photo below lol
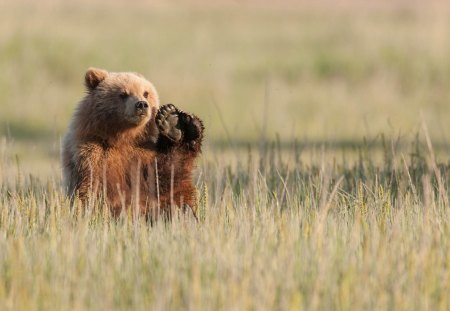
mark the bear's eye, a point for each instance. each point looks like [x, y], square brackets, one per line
[123, 95]
[145, 94]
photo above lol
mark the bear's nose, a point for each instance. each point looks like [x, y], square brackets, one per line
[141, 105]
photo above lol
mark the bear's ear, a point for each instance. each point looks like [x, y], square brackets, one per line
[93, 77]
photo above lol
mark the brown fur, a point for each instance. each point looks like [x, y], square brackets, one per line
[111, 152]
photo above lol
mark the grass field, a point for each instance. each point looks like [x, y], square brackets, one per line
[324, 181]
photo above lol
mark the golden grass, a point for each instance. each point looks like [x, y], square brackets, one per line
[274, 233]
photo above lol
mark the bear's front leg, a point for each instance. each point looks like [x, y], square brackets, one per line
[179, 129]
[179, 144]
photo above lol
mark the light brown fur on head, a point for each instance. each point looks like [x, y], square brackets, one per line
[108, 110]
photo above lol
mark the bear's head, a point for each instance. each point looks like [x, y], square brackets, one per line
[117, 104]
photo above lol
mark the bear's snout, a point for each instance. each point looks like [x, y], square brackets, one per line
[141, 106]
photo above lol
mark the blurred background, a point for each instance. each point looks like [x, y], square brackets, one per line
[330, 73]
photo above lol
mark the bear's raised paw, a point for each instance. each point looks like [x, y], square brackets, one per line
[178, 126]
[167, 120]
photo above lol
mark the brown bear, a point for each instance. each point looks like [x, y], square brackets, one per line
[125, 149]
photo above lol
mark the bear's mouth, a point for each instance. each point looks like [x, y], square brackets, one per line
[138, 118]
[141, 115]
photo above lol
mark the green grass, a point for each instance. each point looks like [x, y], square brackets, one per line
[385, 67]
[315, 192]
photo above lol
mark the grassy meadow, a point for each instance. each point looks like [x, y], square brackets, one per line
[324, 180]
